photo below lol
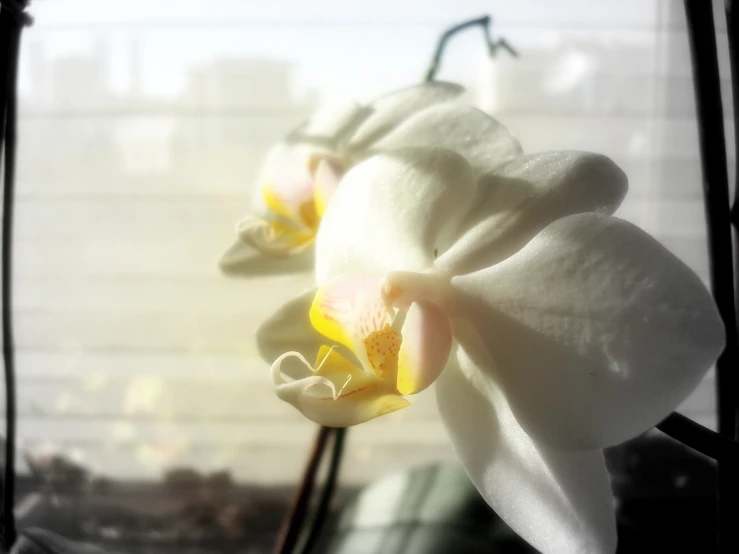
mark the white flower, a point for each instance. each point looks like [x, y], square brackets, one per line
[550, 328]
[301, 174]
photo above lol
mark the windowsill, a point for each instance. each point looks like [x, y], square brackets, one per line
[154, 517]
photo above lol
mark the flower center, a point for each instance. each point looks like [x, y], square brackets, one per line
[382, 347]
[405, 347]
[309, 214]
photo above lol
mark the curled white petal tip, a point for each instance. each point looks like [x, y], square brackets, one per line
[335, 393]
[272, 238]
[250, 226]
[290, 390]
[276, 368]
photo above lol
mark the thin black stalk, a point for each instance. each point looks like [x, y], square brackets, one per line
[699, 438]
[324, 504]
[732, 25]
[483, 22]
[707, 83]
[293, 522]
[12, 19]
[716, 197]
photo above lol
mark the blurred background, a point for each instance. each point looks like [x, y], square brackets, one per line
[141, 128]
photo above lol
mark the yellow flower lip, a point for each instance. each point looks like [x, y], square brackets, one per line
[299, 211]
[382, 348]
[357, 312]
[397, 352]
[336, 393]
[353, 315]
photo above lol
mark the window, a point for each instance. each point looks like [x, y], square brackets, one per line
[142, 126]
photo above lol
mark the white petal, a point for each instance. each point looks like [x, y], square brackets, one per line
[391, 109]
[290, 329]
[559, 501]
[519, 199]
[326, 180]
[236, 255]
[275, 237]
[483, 142]
[394, 211]
[327, 127]
[597, 331]
[427, 341]
[241, 259]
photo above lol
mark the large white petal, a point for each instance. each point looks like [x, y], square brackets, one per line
[484, 143]
[519, 199]
[598, 332]
[390, 110]
[394, 211]
[559, 501]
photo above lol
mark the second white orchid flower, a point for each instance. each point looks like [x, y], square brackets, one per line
[550, 328]
[301, 174]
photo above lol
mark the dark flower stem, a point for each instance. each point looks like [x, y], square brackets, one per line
[733, 35]
[483, 22]
[12, 19]
[293, 522]
[699, 438]
[324, 504]
[707, 83]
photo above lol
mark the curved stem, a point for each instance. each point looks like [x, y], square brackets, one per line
[483, 22]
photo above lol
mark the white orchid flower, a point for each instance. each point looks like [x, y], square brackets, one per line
[301, 174]
[550, 328]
